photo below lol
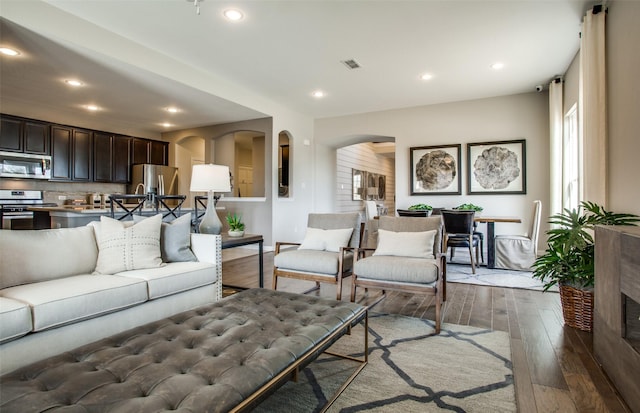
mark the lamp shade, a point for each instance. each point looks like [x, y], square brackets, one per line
[210, 177]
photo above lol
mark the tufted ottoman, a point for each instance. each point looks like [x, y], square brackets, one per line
[226, 356]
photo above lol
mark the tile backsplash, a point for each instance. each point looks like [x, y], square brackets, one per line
[58, 192]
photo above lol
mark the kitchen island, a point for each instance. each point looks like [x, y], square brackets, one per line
[69, 216]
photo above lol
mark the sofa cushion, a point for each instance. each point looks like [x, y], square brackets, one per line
[122, 248]
[71, 299]
[31, 256]
[175, 239]
[15, 319]
[174, 277]
[398, 269]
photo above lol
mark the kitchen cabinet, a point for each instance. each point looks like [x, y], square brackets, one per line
[111, 155]
[121, 159]
[24, 135]
[150, 151]
[72, 158]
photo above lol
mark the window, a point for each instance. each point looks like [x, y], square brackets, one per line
[571, 182]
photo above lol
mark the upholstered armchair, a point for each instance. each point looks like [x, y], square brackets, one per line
[518, 252]
[407, 257]
[326, 253]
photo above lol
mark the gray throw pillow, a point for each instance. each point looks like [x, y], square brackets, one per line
[175, 239]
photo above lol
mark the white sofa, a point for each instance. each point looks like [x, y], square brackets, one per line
[51, 300]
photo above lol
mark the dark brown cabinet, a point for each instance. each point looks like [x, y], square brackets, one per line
[79, 154]
[121, 159]
[111, 157]
[150, 151]
[24, 135]
[72, 154]
[102, 157]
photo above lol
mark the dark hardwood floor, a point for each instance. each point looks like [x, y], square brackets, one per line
[554, 366]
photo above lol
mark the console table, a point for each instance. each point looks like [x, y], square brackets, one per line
[246, 239]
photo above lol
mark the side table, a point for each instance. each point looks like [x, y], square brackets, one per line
[246, 239]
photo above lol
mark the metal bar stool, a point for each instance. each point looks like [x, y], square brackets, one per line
[124, 202]
[160, 202]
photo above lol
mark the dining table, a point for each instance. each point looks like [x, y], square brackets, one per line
[491, 221]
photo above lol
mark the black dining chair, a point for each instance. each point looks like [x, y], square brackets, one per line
[458, 233]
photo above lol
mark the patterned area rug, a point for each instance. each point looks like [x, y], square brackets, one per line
[459, 271]
[464, 369]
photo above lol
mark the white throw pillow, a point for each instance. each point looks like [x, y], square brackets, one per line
[124, 248]
[326, 239]
[405, 244]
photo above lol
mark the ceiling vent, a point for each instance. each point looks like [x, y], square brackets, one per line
[351, 64]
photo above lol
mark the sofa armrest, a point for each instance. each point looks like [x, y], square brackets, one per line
[207, 247]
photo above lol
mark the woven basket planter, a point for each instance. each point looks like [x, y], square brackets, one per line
[577, 307]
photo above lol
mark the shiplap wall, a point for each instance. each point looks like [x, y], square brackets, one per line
[363, 157]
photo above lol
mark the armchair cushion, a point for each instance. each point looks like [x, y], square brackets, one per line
[312, 261]
[398, 269]
[326, 239]
[406, 244]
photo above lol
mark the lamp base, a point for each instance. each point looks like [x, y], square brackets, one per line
[210, 223]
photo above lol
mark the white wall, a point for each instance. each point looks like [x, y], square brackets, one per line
[500, 118]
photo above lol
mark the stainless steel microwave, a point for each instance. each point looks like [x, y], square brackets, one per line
[24, 165]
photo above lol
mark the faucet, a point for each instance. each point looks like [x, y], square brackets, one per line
[138, 187]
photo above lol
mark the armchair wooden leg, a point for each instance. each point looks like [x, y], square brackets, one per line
[353, 288]
[438, 310]
[275, 281]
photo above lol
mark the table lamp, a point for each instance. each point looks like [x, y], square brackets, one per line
[210, 178]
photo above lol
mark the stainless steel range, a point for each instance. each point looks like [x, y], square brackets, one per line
[13, 208]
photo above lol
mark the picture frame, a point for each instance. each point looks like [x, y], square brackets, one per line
[435, 170]
[498, 167]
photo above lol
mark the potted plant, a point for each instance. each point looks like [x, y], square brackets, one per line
[469, 207]
[569, 260]
[416, 210]
[236, 226]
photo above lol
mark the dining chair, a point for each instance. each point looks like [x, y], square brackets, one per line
[518, 252]
[325, 255]
[404, 254]
[371, 210]
[458, 233]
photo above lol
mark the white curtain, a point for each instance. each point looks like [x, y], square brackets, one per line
[555, 134]
[593, 114]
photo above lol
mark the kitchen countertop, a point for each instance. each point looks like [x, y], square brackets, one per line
[67, 210]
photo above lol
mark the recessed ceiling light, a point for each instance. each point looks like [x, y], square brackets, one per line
[497, 66]
[317, 94]
[9, 52]
[171, 109]
[92, 108]
[426, 76]
[73, 82]
[167, 125]
[233, 14]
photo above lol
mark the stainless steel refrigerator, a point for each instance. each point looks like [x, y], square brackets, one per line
[156, 179]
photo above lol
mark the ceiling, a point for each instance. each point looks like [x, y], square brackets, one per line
[278, 54]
